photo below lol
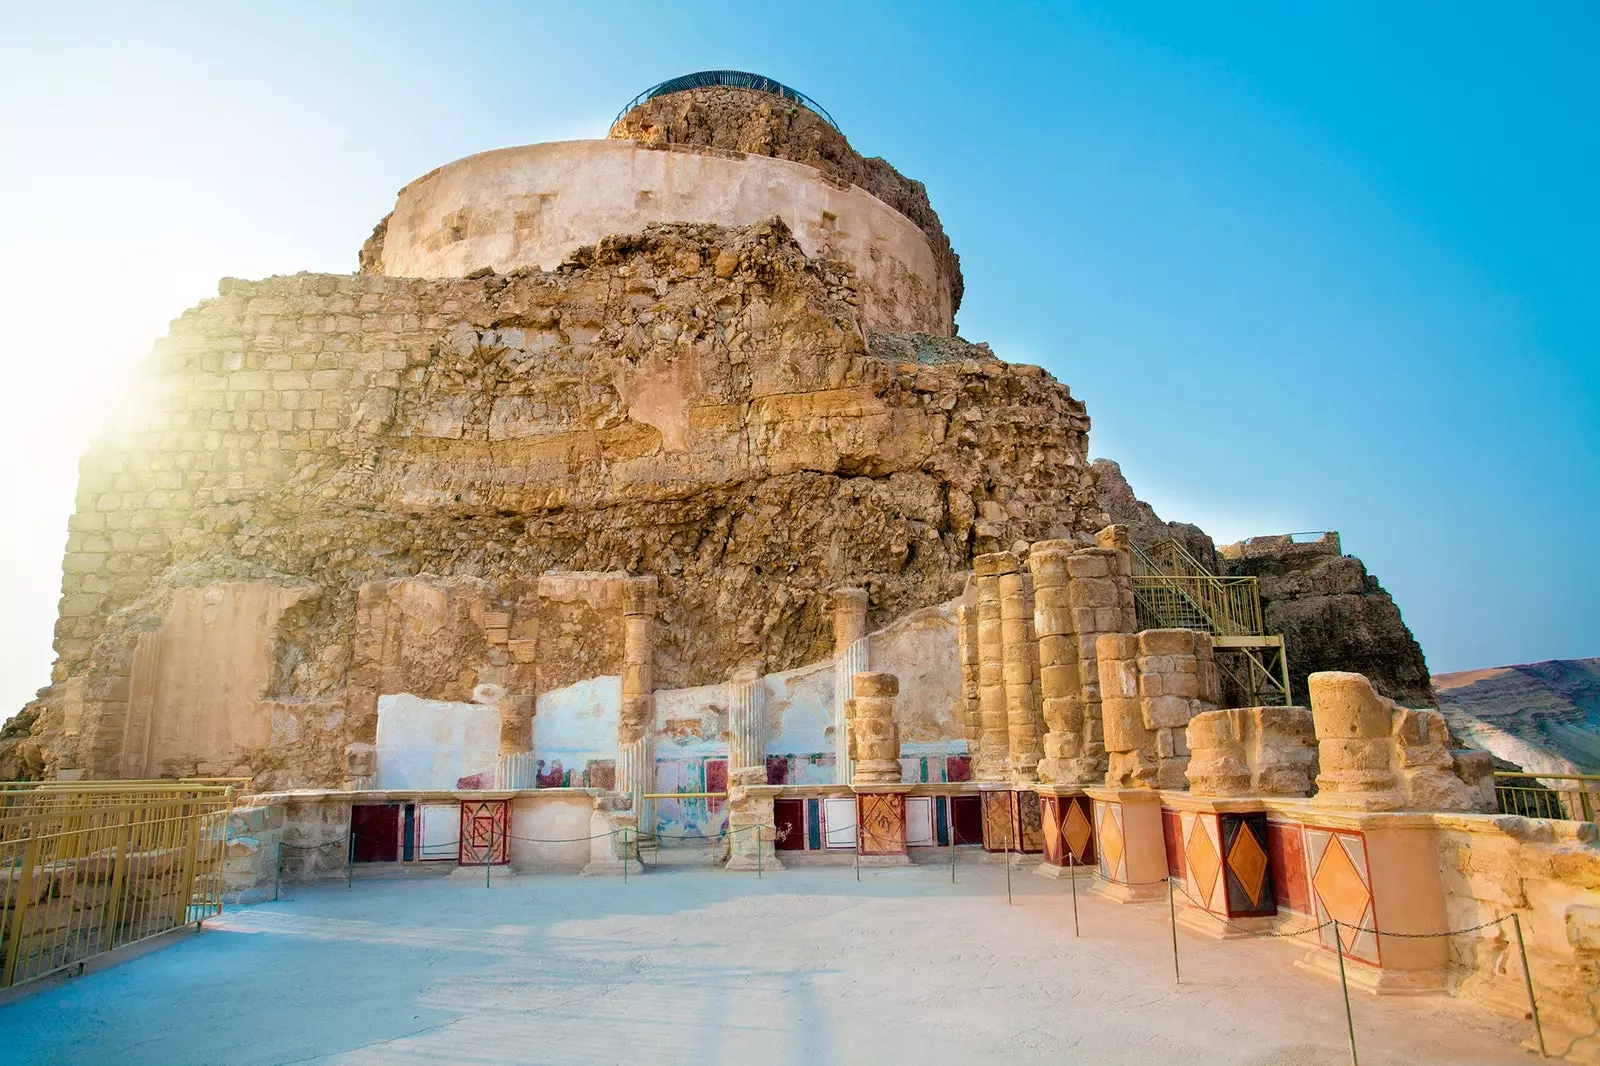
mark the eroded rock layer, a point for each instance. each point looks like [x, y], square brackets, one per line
[407, 461]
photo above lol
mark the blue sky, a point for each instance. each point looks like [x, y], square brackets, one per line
[1310, 266]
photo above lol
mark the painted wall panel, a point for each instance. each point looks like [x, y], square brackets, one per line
[439, 828]
[839, 821]
[919, 821]
[433, 744]
[573, 727]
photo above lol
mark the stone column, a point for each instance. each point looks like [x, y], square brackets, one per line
[1175, 672]
[880, 795]
[635, 764]
[1021, 656]
[994, 740]
[1094, 592]
[1059, 684]
[850, 659]
[515, 768]
[751, 824]
[1130, 746]
[747, 710]
[967, 646]
[877, 737]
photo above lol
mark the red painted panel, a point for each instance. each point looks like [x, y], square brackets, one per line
[958, 768]
[716, 781]
[375, 828]
[790, 818]
[1286, 860]
[966, 817]
[1172, 836]
[777, 770]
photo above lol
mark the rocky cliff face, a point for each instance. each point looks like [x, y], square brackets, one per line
[742, 120]
[689, 402]
[1332, 613]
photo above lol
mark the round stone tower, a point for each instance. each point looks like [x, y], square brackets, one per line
[722, 147]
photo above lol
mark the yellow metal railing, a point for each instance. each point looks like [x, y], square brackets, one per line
[1568, 797]
[1173, 590]
[87, 869]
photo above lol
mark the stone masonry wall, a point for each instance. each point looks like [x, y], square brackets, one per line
[693, 403]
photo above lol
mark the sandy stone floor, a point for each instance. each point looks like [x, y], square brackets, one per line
[691, 965]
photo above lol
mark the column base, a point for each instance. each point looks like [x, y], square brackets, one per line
[885, 860]
[1117, 892]
[746, 864]
[1371, 979]
[1059, 873]
[1203, 923]
[475, 873]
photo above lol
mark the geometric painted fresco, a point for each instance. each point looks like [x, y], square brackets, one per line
[1247, 873]
[998, 821]
[881, 823]
[1077, 828]
[1050, 822]
[1203, 857]
[1172, 837]
[1286, 865]
[1113, 851]
[485, 828]
[1029, 822]
[1341, 889]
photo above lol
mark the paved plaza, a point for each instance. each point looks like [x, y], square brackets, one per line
[693, 965]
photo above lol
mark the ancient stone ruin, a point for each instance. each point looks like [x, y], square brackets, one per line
[639, 489]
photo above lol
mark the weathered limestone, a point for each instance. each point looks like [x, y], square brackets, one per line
[634, 760]
[850, 659]
[1020, 656]
[967, 649]
[1151, 684]
[994, 741]
[1375, 755]
[877, 736]
[750, 820]
[613, 838]
[1061, 689]
[1251, 751]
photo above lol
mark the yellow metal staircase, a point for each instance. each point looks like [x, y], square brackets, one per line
[1174, 590]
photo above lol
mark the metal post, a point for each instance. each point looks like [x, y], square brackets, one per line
[1172, 914]
[624, 854]
[952, 850]
[858, 852]
[350, 856]
[1008, 870]
[25, 890]
[1072, 874]
[1349, 1019]
[1527, 977]
[488, 856]
[108, 936]
[277, 873]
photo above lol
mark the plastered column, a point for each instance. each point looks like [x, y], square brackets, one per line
[1021, 657]
[635, 763]
[747, 710]
[994, 740]
[1059, 684]
[850, 659]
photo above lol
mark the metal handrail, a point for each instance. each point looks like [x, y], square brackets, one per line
[1535, 799]
[735, 79]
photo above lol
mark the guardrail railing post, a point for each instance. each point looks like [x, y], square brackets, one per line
[1527, 977]
[19, 909]
[1172, 915]
[1072, 875]
[1344, 985]
[119, 873]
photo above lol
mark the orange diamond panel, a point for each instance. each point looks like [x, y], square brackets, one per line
[1248, 863]
[1204, 862]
